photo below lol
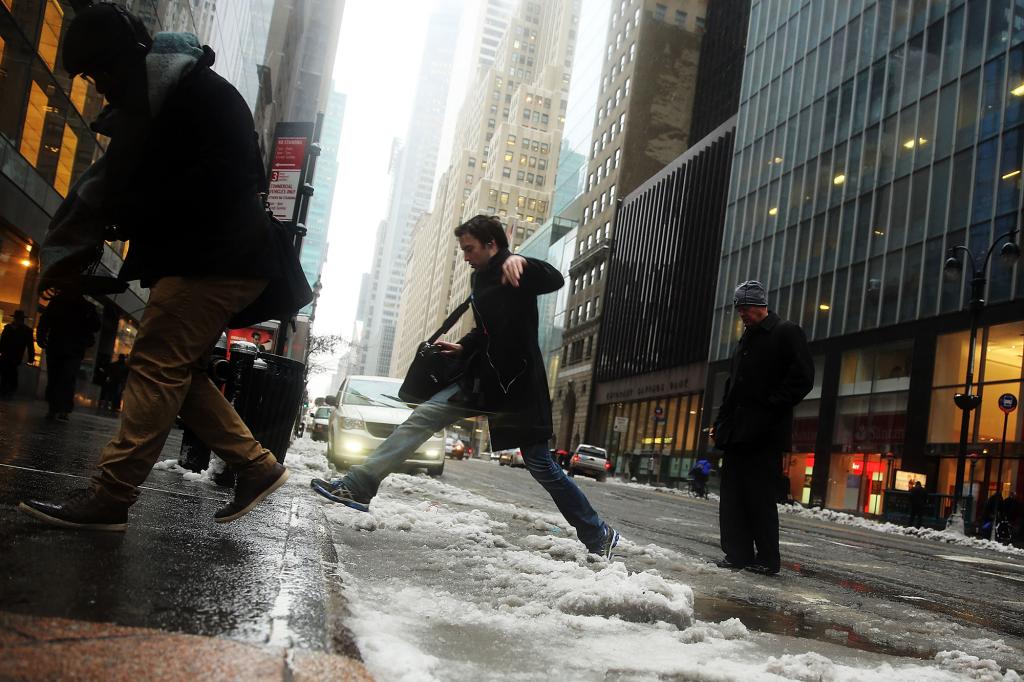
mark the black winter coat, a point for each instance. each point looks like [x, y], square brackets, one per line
[186, 198]
[505, 375]
[16, 343]
[770, 372]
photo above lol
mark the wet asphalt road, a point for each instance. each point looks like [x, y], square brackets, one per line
[860, 588]
[260, 579]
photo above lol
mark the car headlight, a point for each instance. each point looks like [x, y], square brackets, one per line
[352, 445]
[354, 424]
[433, 453]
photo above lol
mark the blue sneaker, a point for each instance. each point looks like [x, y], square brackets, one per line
[611, 540]
[335, 491]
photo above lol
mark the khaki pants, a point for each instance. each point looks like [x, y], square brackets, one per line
[180, 326]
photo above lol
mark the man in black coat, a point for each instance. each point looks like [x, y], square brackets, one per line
[15, 346]
[770, 372]
[503, 377]
[180, 181]
[918, 502]
[67, 328]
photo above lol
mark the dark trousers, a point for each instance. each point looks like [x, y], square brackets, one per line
[8, 376]
[916, 516]
[748, 519]
[61, 377]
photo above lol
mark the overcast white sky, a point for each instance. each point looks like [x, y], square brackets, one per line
[378, 59]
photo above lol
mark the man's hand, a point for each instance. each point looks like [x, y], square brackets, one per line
[451, 349]
[512, 270]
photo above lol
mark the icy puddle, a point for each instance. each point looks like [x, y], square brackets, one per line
[446, 584]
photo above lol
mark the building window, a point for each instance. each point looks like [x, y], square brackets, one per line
[700, 23]
[680, 18]
[659, 12]
[471, 162]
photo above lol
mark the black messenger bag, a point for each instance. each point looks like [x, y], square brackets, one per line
[430, 371]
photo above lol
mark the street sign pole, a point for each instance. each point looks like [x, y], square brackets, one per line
[1007, 403]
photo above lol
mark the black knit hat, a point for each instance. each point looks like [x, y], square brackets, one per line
[101, 34]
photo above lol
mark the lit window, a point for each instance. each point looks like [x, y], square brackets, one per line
[49, 35]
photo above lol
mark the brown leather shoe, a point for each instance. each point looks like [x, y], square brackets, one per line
[83, 510]
[249, 491]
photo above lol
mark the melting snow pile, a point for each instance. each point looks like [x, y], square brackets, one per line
[446, 584]
[893, 529]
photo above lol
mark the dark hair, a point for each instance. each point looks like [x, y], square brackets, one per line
[485, 229]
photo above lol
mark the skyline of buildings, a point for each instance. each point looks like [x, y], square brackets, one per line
[413, 170]
[642, 122]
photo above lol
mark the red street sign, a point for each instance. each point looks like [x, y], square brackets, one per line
[1007, 403]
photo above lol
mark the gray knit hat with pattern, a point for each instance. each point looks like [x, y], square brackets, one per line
[750, 292]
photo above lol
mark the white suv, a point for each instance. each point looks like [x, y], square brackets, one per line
[368, 411]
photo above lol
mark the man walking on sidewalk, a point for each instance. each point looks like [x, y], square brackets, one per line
[770, 372]
[15, 346]
[180, 181]
[67, 329]
[503, 377]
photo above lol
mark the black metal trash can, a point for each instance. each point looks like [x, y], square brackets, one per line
[266, 391]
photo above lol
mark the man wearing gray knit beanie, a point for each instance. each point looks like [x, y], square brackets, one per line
[770, 372]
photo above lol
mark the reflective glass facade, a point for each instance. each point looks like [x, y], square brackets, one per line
[872, 136]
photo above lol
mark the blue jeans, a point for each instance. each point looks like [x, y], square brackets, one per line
[362, 480]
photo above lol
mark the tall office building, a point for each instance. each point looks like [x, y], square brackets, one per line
[413, 170]
[314, 245]
[493, 22]
[295, 75]
[644, 107]
[872, 138]
[510, 128]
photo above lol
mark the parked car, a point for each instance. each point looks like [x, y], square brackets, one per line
[456, 449]
[590, 460]
[494, 456]
[561, 457]
[368, 411]
[318, 429]
[512, 458]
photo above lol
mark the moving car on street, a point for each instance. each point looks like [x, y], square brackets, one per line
[320, 417]
[368, 411]
[454, 448]
[590, 460]
[512, 458]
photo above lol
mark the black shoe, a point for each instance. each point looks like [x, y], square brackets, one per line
[335, 491]
[729, 564]
[611, 540]
[761, 569]
[250, 490]
[83, 510]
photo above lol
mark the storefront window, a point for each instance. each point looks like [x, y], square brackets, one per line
[17, 265]
[877, 369]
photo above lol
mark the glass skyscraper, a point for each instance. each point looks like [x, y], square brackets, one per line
[872, 137]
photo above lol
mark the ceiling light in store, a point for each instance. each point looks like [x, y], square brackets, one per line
[1018, 91]
[774, 210]
[778, 160]
[879, 233]
[839, 179]
[27, 263]
[28, 247]
[1011, 174]
[824, 306]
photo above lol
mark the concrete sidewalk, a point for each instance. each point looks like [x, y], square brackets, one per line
[177, 596]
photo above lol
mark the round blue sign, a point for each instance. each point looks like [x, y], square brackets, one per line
[1007, 402]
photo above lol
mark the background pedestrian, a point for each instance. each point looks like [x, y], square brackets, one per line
[918, 502]
[16, 345]
[770, 372]
[67, 328]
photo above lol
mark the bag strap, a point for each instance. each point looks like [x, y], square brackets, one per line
[450, 321]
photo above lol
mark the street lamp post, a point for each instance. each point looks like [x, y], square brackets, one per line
[966, 401]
